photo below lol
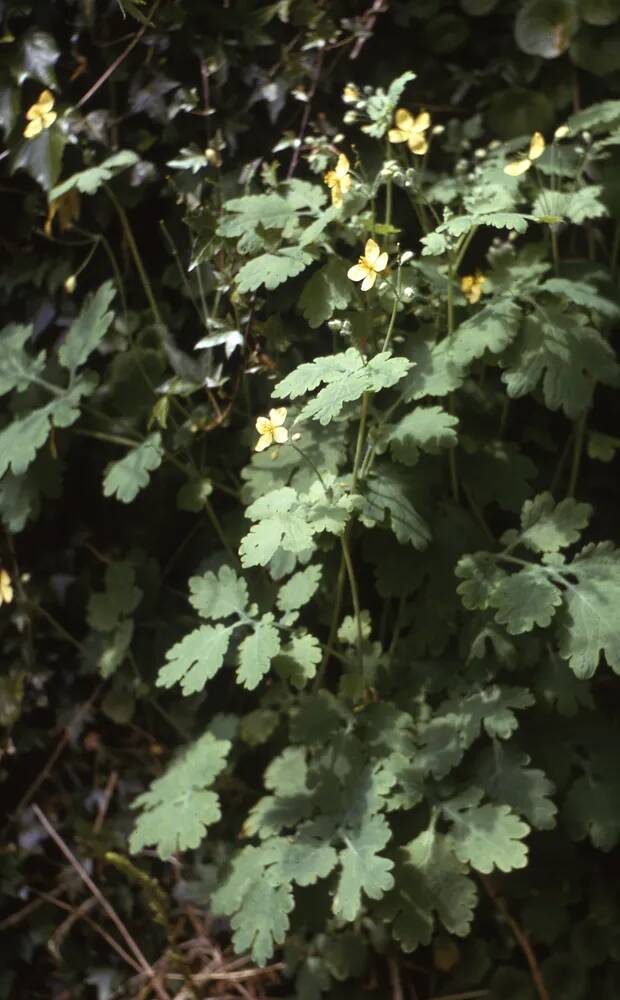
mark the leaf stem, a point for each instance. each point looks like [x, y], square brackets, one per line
[346, 552]
[580, 429]
[334, 624]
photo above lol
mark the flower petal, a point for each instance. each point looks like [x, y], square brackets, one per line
[537, 146]
[517, 168]
[337, 195]
[345, 184]
[381, 262]
[33, 128]
[422, 122]
[397, 135]
[263, 425]
[277, 416]
[263, 442]
[404, 120]
[371, 251]
[330, 178]
[280, 435]
[342, 167]
[369, 281]
[46, 101]
[358, 272]
[49, 118]
[417, 143]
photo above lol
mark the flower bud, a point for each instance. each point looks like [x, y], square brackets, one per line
[70, 284]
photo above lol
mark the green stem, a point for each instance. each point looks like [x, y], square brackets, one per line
[462, 248]
[135, 253]
[346, 552]
[111, 438]
[615, 252]
[454, 480]
[333, 629]
[311, 464]
[219, 530]
[580, 429]
[555, 252]
[361, 433]
[390, 328]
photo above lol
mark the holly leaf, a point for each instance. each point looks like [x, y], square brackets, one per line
[125, 478]
[195, 659]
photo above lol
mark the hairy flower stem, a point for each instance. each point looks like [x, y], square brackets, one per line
[346, 552]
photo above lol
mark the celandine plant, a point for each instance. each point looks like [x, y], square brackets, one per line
[416, 605]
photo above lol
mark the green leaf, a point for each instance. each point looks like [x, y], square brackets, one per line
[506, 778]
[269, 211]
[347, 376]
[592, 809]
[218, 595]
[41, 157]
[387, 492]
[257, 651]
[429, 880]
[582, 294]
[272, 269]
[363, 869]
[436, 373]
[89, 181]
[327, 290]
[429, 428]
[300, 589]
[382, 105]
[491, 329]
[487, 837]
[21, 496]
[592, 605]
[544, 27]
[262, 921]
[119, 599]
[18, 369]
[547, 527]
[280, 525]
[576, 206]
[298, 659]
[88, 330]
[303, 860]
[525, 599]
[178, 808]
[125, 478]
[37, 58]
[195, 659]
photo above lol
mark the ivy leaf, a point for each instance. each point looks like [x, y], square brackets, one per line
[387, 492]
[429, 879]
[491, 329]
[272, 269]
[38, 55]
[195, 659]
[18, 369]
[89, 181]
[430, 428]
[257, 651]
[119, 599]
[347, 376]
[218, 595]
[547, 527]
[592, 607]
[88, 330]
[280, 525]
[178, 808]
[363, 870]
[41, 157]
[327, 290]
[125, 478]
[487, 837]
[504, 774]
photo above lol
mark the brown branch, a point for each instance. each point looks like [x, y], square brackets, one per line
[369, 19]
[103, 902]
[46, 897]
[520, 937]
[105, 802]
[121, 58]
[306, 115]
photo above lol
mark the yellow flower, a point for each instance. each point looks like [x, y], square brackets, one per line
[6, 588]
[411, 130]
[537, 148]
[270, 429]
[351, 94]
[471, 286]
[368, 266]
[40, 116]
[339, 179]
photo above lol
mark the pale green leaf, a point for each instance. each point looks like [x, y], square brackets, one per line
[119, 599]
[487, 837]
[88, 329]
[218, 595]
[364, 871]
[429, 428]
[195, 659]
[547, 527]
[89, 181]
[257, 651]
[18, 369]
[125, 478]
[272, 269]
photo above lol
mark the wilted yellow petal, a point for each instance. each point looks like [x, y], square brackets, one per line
[517, 168]
[537, 146]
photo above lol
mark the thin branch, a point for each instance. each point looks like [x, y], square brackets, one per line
[397, 986]
[121, 58]
[520, 937]
[103, 902]
[306, 115]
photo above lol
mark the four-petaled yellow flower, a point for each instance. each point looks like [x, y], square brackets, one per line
[6, 588]
[339, 179]
[411, 130]
[40, 116]
[368, 266]
[471, 286]
[537, 148]
[271, 429]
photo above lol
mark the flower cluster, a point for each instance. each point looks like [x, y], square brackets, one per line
[471, 286]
